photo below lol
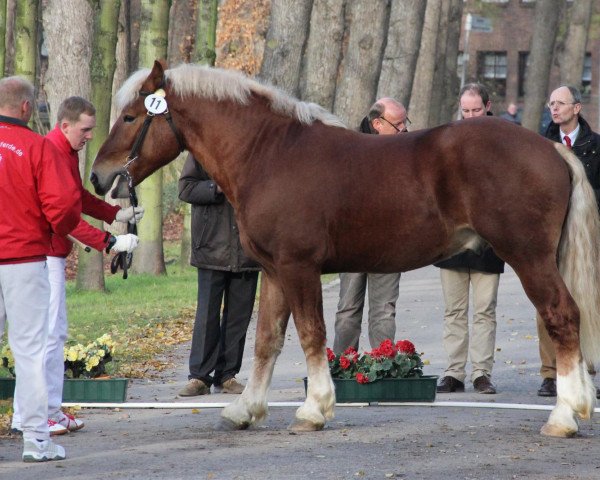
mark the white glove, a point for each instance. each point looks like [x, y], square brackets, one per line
[125, 243]
[128, 214]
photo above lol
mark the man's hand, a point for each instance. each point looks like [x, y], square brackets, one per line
[130, 214]
[124, 243]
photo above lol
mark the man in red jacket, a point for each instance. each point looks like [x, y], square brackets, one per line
[76, 121]
[38, 195]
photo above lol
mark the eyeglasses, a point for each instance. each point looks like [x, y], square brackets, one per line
[407, 123]
[559, 104]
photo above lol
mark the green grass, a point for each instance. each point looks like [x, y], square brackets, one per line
[137, 301]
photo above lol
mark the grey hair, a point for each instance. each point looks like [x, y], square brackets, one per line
[14, 91]
[575, 93]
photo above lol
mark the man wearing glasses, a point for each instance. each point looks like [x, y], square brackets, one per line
[386, 117]
[569, 128]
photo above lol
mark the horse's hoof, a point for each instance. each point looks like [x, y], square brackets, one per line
[227, 425]
[305, 426]
[552, 430]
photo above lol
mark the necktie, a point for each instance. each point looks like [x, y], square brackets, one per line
[568, 141]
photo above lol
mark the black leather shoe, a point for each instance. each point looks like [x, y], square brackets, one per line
[449, 385]
[548, 388]
[484, 385]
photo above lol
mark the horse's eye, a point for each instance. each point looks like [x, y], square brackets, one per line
[128, 118]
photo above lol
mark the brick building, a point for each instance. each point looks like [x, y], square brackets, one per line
[498, 58]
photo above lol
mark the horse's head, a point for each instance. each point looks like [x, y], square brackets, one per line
[144, 137]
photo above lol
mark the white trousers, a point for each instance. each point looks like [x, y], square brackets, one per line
[57, 335]
[24, 300]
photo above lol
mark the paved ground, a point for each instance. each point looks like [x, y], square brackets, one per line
[375, 442]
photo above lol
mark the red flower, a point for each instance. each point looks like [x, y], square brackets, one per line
[344, 362]
[386, 349]
[405, 346]
[360, 378]
[350, 351]
[330, 355]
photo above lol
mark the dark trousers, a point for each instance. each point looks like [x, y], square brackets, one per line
[218, 342]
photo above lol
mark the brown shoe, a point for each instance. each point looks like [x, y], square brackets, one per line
[450, 384]
[484, 385]
[548, 388]
[194, 387]
[230, 386]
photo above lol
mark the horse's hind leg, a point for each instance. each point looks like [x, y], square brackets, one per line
[251, 407]
[576, 392]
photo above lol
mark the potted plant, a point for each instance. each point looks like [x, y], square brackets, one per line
[85, 373]
[392, 372]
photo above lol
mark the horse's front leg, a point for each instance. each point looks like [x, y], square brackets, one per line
[305, 296]
[251, 406]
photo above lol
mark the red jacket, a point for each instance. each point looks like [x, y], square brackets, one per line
[91, 205]
[37, 193]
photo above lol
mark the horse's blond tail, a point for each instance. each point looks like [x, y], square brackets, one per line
[579, 255]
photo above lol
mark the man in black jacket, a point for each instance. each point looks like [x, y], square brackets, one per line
[227, 278]
[569, 128]
[482, 271]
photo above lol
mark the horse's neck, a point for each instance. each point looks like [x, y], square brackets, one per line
[228, 140]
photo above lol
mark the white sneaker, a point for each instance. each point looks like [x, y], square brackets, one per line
[68, 421]
[56, 428]
[42, 451]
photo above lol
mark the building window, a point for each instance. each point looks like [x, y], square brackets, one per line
[586, 78]
[491, 70]
[523, 64]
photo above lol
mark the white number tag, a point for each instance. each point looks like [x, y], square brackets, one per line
[155, 104]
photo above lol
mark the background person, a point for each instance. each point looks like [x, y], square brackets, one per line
[227, 278]
[569, 128]
[38, 194]
[512, 114]
[386, 117]
[481, 271]
[74, 128]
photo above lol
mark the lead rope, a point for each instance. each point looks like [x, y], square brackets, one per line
[123, 260]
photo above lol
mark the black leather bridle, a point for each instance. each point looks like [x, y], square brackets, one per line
[123, 259]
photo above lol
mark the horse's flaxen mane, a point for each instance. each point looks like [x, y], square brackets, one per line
[222, 84]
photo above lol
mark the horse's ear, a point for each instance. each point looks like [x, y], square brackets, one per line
[156, 78]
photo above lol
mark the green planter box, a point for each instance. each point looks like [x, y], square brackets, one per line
[420, 389]
[94, 390]
[7, 388]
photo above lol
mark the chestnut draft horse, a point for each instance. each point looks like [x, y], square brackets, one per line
[312, 196]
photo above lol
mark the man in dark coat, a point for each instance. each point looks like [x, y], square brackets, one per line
[482, 271]
[569, 128]
[227, 281]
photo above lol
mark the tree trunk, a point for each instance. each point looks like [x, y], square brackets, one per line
[361, 63]
[68, 27]
[285, 44]
[206, 26]
[449, 104]
[571, 61]
[420, 98]
[3, 24]
[540, 61]
[26, 51]
[9, 54]
[149, 257]
[90, 271]
[402, 50]
[182, 27]
[439, 74]
[320, 65]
